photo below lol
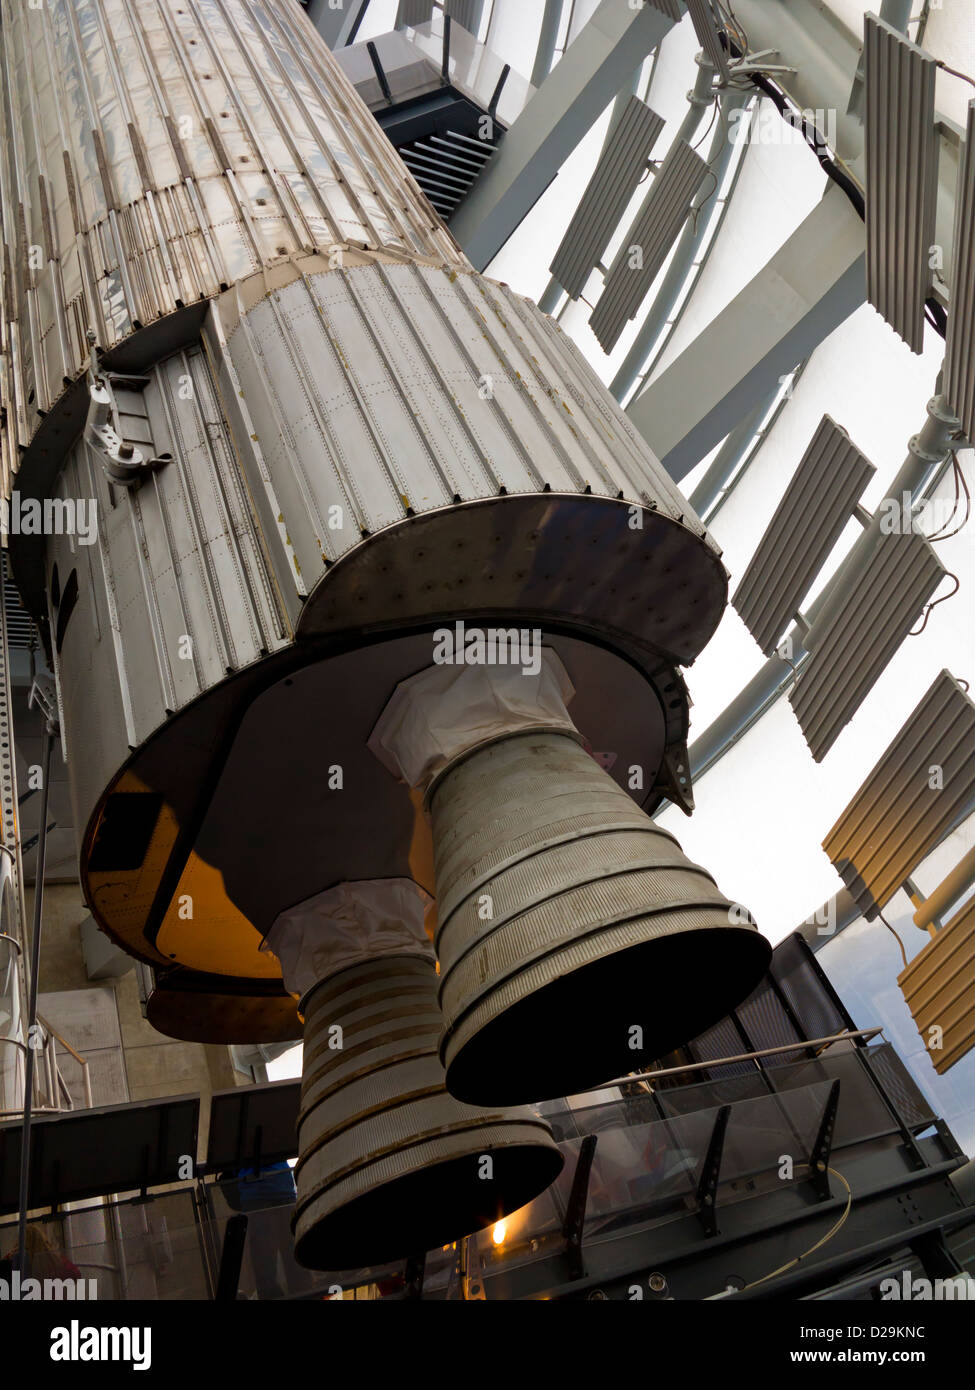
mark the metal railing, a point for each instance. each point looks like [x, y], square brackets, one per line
[802, 1045]
[51, 1093]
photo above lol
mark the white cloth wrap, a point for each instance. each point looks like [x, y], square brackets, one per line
[444, 711]
[347, 925]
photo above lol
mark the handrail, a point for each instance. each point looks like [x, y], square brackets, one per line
[66, 1045]
[82, 1062]
[798, 1046]
[18, 1112]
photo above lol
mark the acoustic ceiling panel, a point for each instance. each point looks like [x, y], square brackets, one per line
[466, 13]
[960, 359]
[648, 242]
[817, 504]
[919, 788]
[853, 639]
[412, 13]
[902, 174]
[620, 168]
[939, 988]
[708, 28]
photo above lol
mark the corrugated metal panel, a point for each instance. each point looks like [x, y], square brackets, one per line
[707, 26]
[413, 12]
[960, 359]
[654, 231]
[179, 561]
[607, 194]
[852, 643]
[897, 816]
[166, 149]
[336, 352]
[902, 173]
[466, 13]
[939, 987]
[807, 524]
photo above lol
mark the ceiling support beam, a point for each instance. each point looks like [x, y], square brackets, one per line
[809, 287]
[586, 78]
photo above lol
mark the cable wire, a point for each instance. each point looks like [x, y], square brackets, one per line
[819, 1244]
[943, 599]
[941, 534]
[714, 113]
[954, 72]
[740, 37]
[895, 936]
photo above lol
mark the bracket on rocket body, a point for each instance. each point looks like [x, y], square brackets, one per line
[124, 463]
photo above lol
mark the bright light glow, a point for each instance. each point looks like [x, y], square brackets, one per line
[499, 1232]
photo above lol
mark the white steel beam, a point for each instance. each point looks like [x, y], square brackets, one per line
[812, 283]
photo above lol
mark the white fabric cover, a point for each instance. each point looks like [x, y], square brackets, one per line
[445, 710]
[346, 925]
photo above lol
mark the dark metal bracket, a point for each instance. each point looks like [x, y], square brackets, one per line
[496, 94]
[231, 1259]
[413, 1276]
[575, 1215]
[445, 58]
[380, 72]
[707, 1186]
[822, 1147]
[936, 1259]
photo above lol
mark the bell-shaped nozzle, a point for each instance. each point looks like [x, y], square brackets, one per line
[390, 1164]
[576, 941]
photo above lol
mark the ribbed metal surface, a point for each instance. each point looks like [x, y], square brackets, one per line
[707, 27]
[939, 987]
[905, 806]
[902, 172]
[389, 1163]
[409, 386]
[557, 938]
[158, 149]
[852, 643]
[466, 13]
[817, 504]
[413, 12]
[619, 170]
[960, 357]
[176, 591]
[654, 231]
[671, 8]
